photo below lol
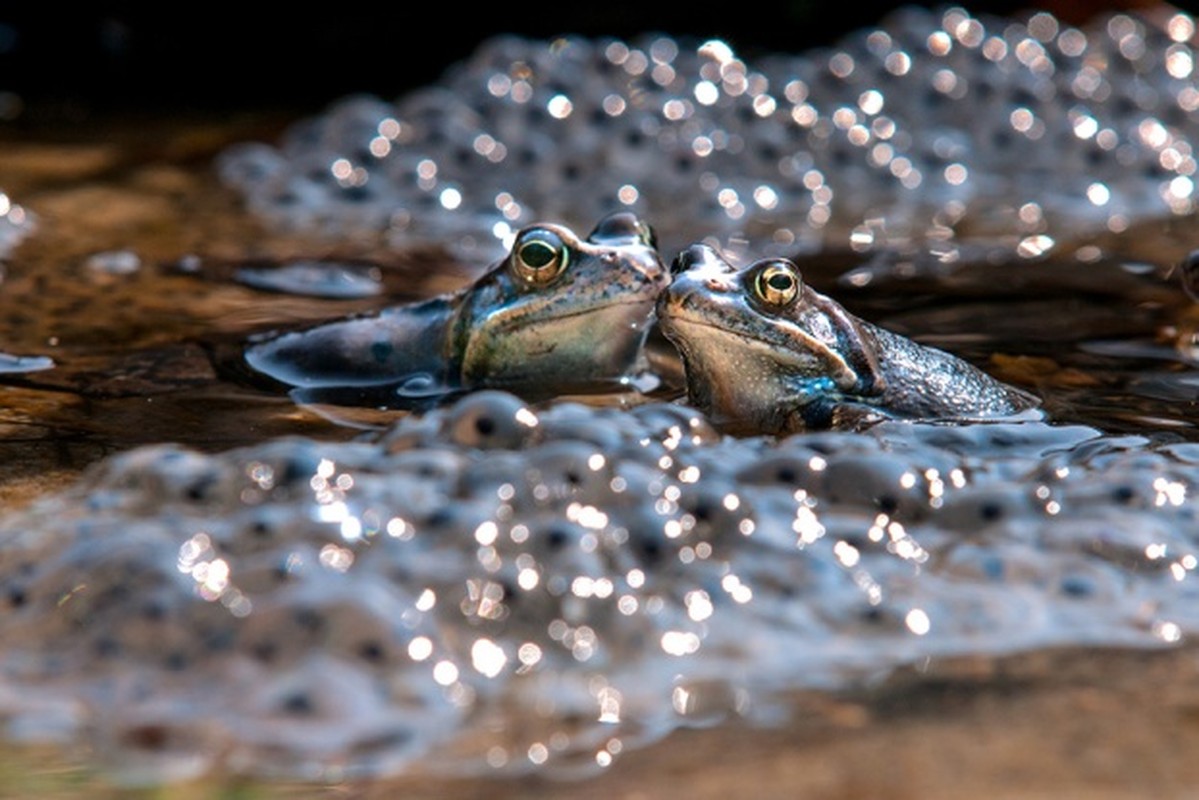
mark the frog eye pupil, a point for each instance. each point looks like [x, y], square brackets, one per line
[538, 254]
[780, 282]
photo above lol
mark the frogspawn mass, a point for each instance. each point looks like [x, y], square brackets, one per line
[955, 131]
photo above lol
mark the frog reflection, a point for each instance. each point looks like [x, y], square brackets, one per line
[558, 315]
[763, 352]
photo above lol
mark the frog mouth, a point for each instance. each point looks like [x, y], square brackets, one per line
[816, 357]
[634, 307]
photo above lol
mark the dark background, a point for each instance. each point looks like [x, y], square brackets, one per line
[69, 62]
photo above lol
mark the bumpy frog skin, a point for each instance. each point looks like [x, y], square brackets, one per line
[558, 315]
[766, 353]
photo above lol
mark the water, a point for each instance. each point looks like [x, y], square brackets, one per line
[494, 589]
[314, 278]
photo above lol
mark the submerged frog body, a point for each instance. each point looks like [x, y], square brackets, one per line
[557, 315]
[764, 352]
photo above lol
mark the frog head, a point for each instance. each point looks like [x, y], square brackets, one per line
[560, 311]
[757, 342]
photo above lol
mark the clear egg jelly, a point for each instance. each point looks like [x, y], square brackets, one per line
[951, 131]
[491, 587]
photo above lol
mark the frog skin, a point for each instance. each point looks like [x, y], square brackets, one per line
[763, 352]
[557, 315]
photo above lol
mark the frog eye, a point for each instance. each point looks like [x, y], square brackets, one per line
[777, 283]
[539, 256]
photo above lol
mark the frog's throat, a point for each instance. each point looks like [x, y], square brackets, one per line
[461, 334]
[502, 320]
[837, 367]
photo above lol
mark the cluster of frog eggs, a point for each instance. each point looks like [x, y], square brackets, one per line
[489, 585]
[937, 126]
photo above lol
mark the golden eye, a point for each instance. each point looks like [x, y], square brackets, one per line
[777, 283]
[539, 256]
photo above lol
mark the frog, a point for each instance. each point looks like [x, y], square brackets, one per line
[558, 314]
[763, 352]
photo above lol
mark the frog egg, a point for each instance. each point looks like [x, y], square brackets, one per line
[1081, 583]
[351, 123]
[603, 197]
[631, 146]
[1131, 489]
[249, 165]
[166, 473]
[1136, 542]
[1017, 568]
[791, 471]
[443, 515]
[497, 477]
[359, 202]
[434, 116]
[712, 511]
[324, 712]
[566, 470]
[850, 613]
[263, 573]
[288, 200]
[302, 137]
[436, 466]
[976, 508]
[151, 742]
[490, 420]
[152, 636]
[529, 600]
[700, 463]
[669, 421]
[563, 189]
[565, 549]
[113, 564]
[1015, 564]
[580, 423]
[425, 558]
[17, 572]
[468, 161]
[585, 101]
[654, 540]
[1000, 440]
[881, 482]
[498, 54]
[144, 622]
[315, 613]
[309, 177]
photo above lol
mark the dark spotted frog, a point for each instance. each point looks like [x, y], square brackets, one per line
[557, 315]
[763, 352]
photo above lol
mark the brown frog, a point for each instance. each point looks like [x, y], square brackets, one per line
[763, 352]
[558, 315]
